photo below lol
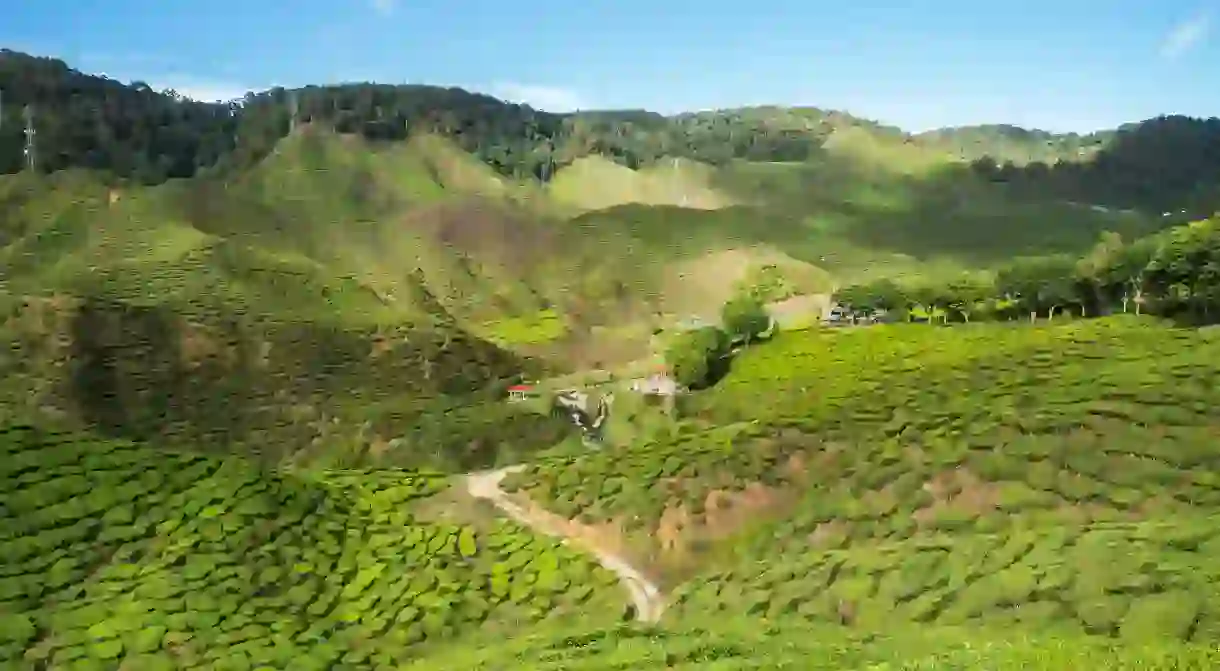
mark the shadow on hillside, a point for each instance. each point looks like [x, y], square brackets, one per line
[142, 373]
[280, 389]
[952, 213]
[943, 213]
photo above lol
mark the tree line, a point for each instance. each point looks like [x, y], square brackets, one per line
[135, 133]
[1174, 273]
[82, 121]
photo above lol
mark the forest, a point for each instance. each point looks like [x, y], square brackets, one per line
[134, 133]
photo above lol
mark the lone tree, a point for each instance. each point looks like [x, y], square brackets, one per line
[1040, 284]
[967, 294]
[697, 358]
[745, 318]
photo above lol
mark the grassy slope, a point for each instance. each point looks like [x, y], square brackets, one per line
[864, 207]
[867, 216]
[280, 389]
[596, 183]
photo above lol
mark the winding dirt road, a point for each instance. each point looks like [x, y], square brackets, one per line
[645, 595]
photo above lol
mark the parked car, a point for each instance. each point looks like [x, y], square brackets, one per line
[837, 315]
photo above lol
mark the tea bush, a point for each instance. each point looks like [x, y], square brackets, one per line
[1142, 582]
[739, 643]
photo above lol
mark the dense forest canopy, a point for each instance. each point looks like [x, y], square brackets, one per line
[1020, 145]
[1166, 163]
[135, 133]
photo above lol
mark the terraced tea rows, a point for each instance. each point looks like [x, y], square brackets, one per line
[1106, 410]
[1144, 582]
[920, 379]
[119, 553]
[740, 643]
[956, 430]
[637, 484]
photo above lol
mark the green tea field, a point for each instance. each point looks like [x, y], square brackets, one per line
[887, 464]
[116, 553]
[729, 643]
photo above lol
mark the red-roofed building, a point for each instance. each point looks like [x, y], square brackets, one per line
[520, 392]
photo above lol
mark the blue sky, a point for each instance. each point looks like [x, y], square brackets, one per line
[1058, 65]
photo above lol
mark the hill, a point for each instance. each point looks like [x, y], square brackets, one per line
[377, 210]
[848, 426]
[880, 201]
[1021, 146]
[245, 314]
[1010, 495]
[254, 359]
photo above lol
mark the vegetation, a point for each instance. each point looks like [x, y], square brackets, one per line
[745, 319]
[309, 392]
[752, 643]
[698, 357]
[136, 133]
[1142, 583]
[1160, 164]
[246, 348]
[889, 433]
[1172, 273]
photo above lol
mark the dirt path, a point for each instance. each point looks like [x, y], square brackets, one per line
[646, 596]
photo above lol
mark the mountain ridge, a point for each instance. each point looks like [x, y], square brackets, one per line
[150, 136]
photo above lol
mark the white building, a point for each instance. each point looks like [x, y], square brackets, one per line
[657, 384]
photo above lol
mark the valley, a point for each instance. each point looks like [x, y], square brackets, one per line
[287, 384]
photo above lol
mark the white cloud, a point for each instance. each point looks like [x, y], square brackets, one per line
[204, 91]
[1186, 35]
[547, 98]
[383, 7]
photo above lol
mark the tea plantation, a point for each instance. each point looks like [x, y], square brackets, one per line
[116, 553]
[1112, 418]
[984, 496]
[1059, 475]
[1142, 582]
[736, 644]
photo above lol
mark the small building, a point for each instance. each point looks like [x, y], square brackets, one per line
[521, 392]
[657, 384]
